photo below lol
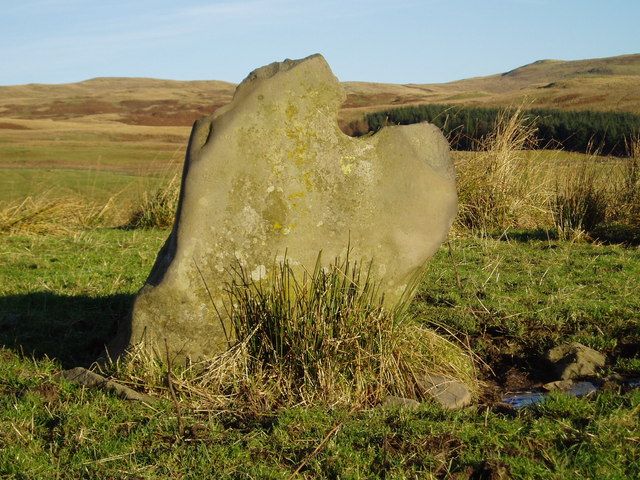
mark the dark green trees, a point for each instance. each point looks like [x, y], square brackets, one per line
[581, 131]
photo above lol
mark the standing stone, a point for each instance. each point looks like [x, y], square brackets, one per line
[271, 173]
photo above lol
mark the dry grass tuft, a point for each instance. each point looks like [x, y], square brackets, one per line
[157, 209]
[42, 215]
[500, 187]
[581, 200]
[628, 191]
[325, 339]
[599, 200]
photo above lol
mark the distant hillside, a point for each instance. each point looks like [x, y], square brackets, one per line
[606, 84]
[139, 125]
[132, 101]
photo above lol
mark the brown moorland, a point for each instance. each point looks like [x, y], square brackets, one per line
[138, 125]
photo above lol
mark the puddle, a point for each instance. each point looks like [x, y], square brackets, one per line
[635, 383]
[519, 400]
[523, 399]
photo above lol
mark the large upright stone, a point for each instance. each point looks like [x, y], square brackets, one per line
[271, 173]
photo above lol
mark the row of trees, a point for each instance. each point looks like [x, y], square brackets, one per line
[465, 127]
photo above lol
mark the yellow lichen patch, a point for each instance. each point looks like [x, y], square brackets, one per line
[291, 111]
[307, 178]
[346, 163]
[296, 195]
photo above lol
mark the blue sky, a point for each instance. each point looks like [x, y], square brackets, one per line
[400, 41]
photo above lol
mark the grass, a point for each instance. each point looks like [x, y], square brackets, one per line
[62, 296]
[580, 201]
[157, 207]
[133, 158]
[61, 431]
[504, 186]
[321, 338]
[96, 186]
[90, 143]
[499, 186]
[506, 296]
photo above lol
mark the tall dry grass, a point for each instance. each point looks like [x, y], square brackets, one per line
[157, 208]
[51, 216]
[51, 213]
[628, 190]
[601, 200]
[581, 199]
[500, 187]
[322, 338]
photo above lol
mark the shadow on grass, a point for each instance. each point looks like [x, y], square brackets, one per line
[528, 235]
[618, 233]
[70, 329]
[609, 234]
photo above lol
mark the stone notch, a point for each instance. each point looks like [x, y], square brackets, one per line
[271, 173]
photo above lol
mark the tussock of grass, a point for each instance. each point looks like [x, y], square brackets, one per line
[499, 187]
[157, 209]
[600, 202]
[40, 215]
[580, 202]
[325, 338]
[628, 190]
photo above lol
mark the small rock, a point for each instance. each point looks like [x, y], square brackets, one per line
[392, 401]
[576, 389]
[90, 379]
[582, 389]
[574, 360]
[562, 385]
[84, 377]
[448, 392]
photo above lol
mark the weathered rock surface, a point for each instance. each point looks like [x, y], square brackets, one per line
[89, 379]
[574, 360]
[448, 392]
[391, 401]
[271, 173]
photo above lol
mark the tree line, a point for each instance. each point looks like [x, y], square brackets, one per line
[465, 127]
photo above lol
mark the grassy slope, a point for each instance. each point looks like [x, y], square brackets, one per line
[60, 297]
[608, 84]
[140, 125]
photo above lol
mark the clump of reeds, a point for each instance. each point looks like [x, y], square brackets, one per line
[499, 186]
[628, 191]
[622, 223]
[581, 199]
[157, 208]
[43, 215]
[321, 338]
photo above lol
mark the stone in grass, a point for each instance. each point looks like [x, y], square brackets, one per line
[271, 174]
[391, 401]
[448, 392]
[89, 379]
[574, 360]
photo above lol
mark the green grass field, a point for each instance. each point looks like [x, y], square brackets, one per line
[68, 276]
[92, 185]
[62, 296]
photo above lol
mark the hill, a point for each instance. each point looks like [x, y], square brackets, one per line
[138, 124]
[603, 84]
